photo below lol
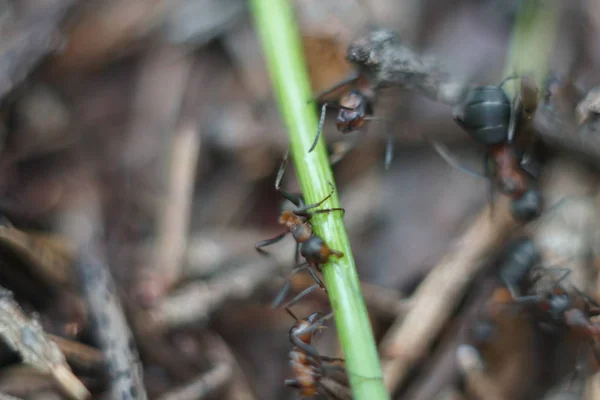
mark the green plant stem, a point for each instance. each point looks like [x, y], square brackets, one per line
[275, 23]
[532, 41]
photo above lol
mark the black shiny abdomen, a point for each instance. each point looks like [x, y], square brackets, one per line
[311, 250]
[485, 114]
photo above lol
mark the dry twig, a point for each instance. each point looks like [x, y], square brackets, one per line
[408, 340]
[78, 355]
[82, 224]
[26, 337]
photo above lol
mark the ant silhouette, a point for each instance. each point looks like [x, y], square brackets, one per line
[491, 119]
[312, 247]
[310, 367]
[355, 108]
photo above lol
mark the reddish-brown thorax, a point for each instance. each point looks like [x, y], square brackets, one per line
[507, 170]
[296, 225]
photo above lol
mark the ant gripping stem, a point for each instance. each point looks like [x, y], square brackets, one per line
[310, 246]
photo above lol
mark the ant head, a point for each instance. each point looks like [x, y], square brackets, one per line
[304, 329]
[354, 108]
[353, 100]
[528, 206]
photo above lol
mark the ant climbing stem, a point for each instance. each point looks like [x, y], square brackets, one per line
[308, 245]
[309, 367]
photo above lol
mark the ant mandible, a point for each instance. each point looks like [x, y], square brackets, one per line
[312, 247]
[490, 118]
[308, 366]
[354, 109]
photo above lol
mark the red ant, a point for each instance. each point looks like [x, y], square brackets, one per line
[554, 307]
[308, 365]
[354, 109]
[310, 246]
[493, 127]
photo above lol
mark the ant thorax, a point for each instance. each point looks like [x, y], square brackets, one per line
[506, 170]
[289, 219]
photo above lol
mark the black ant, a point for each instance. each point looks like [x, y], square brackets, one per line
[354, 109]
[491, 119]
[310, 246]
[308, 365]
[554, 307]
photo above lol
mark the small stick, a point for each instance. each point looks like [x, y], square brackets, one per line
[171, 240]
[26, 337]
[196, 301]
[408, 340]
[203, 386]
[82, 223]
[79, 355]
[4, 396]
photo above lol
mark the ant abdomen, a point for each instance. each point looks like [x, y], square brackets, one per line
[316, 251]
[485, 114]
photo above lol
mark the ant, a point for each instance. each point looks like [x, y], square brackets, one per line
[519, 258]
[354, 109]
[490, 118]
[553, 307]
[312, 247]
[308, 365]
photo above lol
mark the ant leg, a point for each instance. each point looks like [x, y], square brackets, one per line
[302, 211]
[294, 198]
[389, 145]
[291, 314]
[282, 169]
[258, 246]
[352, 78]
[512, 122]
[328, 210]
[297, 254]
[331, 367]
[301, 295]
[286, 286]
[316, 278]
[512, 289]
[322, 122]
[526, 300]
[293, 383]
[565, 273]
[491, 191]
[445, 153]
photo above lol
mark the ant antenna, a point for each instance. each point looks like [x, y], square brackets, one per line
[291, 314]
